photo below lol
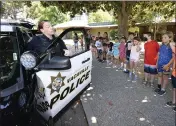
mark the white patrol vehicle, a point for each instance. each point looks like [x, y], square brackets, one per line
[44, 83]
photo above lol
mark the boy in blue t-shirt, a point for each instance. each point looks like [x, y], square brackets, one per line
[115, 52]
[164, 57]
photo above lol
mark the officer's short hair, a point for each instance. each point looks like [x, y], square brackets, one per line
[40, 24]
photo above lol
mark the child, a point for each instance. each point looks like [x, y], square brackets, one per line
[110, 54]
[164, 57]
[93, 48]
[115, 51]
[173, 102]
[134, 58]
[150, 58]
[128, 51]
[99, 46]
[76, 39]
[81, 42]
[122, 52]
[105, 47]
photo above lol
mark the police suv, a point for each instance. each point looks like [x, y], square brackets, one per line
[44, 83]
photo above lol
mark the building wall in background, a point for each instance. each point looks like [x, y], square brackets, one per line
[94, 31]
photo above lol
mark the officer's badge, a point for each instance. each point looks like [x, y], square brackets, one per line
[56, 83]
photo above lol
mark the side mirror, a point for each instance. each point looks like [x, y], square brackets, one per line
[55, 63]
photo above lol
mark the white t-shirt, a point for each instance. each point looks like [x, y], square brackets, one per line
[134, 53]
[98, 44]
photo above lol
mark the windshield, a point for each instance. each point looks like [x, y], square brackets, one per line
[8, 57]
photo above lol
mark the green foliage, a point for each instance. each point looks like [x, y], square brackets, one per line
[11, 9]
[36, 11]
[33, 10]
[123, 11]
[74, 7]
[100, 16]
[148, 12]
[113, 34]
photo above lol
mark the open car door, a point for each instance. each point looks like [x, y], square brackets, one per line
[63, 78]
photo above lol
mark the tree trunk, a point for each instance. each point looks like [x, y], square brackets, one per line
[123, 21]
[123, 25]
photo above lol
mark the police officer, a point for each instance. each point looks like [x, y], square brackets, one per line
[40, 43]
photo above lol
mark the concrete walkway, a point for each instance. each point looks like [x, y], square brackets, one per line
[117, 102]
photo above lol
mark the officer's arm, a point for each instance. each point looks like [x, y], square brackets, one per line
[62, 45]
[31, 44]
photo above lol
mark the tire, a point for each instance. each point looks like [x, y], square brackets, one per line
[50, 121]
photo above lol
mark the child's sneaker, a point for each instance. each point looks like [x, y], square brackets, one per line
[151, 84]
[110, 63]
[170, 104]
[114, 66]
[174, 109]
[130, 77]
[120, 68]
[126, 71]
[161, 93]
[157, 90]
[145, 82]
[103, 61]
[135, 79]
[100, 60]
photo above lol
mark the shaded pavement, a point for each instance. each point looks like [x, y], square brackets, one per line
[117, 102]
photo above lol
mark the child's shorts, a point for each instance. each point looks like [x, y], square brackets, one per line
[160, 70]
[100, 51]
[134, 60]
[116, 56]
[109, 53]
[76, 44]
[173, 81]
[128, 58]
[93, 49]
[151, 69]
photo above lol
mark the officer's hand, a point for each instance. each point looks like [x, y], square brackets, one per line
[67, 52]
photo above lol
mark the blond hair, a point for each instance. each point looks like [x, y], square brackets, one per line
[170, 35]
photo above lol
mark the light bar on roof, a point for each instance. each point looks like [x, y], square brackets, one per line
[6, 28]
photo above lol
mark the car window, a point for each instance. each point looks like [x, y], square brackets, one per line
[75, 41]
[8, 56]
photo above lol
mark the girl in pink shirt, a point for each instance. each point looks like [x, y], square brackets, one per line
[122, 52]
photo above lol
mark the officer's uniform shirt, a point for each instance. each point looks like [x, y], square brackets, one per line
[40, 43]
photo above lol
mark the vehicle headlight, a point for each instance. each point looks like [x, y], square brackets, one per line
[28, 60]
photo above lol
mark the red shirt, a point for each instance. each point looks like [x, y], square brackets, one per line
[151, 52]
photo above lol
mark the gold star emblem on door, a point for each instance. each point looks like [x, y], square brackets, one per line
[56, 83]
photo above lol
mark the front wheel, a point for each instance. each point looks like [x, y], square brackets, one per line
[50, 121]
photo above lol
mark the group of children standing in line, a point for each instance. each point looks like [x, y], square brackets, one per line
[125, 55]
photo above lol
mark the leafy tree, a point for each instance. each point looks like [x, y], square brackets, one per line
[147, 12]
[123, 11]
[100, 16]
[37, 11]
[11, 9]
[113, 33]
[34, 10]
[154, 13]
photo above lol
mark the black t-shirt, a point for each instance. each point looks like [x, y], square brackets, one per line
[76, 39]
[128, 52]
